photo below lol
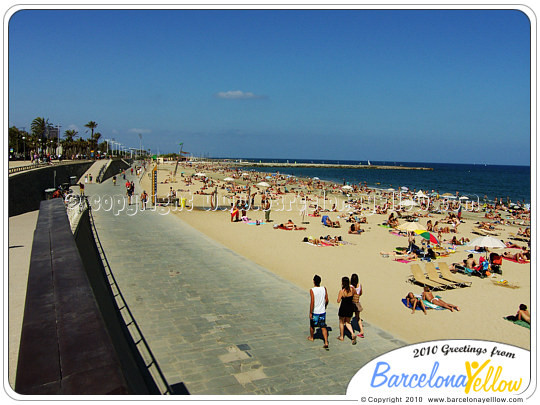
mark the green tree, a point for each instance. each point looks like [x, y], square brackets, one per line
[39, 130]
[68, 143]
[91, 125]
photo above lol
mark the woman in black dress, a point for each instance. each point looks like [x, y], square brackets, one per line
[346, 309]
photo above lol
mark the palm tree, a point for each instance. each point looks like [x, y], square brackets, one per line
[69, 142]
[39, 128]
[82, 146]
[92, 125]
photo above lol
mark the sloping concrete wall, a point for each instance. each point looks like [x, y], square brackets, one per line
[116, 166]
[27, 189]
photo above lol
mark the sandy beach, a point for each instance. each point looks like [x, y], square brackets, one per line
[384, 280]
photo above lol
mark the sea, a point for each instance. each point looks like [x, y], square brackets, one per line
[478, 181]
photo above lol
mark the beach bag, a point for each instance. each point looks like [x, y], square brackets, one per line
[355, 298]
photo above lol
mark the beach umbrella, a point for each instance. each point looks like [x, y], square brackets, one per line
[200, 174]
[411, 227]
[245, 174]
[408, 203]
[391, 189]
[421, 194]
[263, 184]
[428, 236]
[347, 188]
[228, 179]
[487, 241]
[405, 188]
[316, 178]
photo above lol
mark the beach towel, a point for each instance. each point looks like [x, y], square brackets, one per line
[504, 283]
[254, 223]
[513, 319]
[474, 251]
[321, 245]
[427, 304]
[384, 226]
[516, 261]
[403, 260]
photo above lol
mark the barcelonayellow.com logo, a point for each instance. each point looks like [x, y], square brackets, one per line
[452, 367]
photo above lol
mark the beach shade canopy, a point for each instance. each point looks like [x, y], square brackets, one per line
[408, 203]
[428, 236]
[391, 189]
[463, 198]
[411, 227]
[228, 179]
[487, 241]
[263, 184]
[421, 194]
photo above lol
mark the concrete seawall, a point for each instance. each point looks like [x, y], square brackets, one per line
[27, 189]
[325, 165]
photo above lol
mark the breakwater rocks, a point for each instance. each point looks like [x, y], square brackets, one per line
[326, 165]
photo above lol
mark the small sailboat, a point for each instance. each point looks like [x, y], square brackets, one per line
[369, 163]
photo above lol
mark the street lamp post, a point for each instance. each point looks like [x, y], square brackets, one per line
[24, 148]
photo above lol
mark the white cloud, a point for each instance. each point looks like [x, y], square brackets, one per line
[140, 130]
[237, 94]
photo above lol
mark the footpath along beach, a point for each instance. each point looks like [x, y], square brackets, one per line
[482, 306]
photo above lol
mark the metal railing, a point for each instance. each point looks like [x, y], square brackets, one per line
[146, 354]
[39, 165]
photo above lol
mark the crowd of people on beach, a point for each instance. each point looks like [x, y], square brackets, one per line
[246, 195]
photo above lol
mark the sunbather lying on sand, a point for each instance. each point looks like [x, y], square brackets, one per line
[428, 296]
[516, 256]
[333, 241]
[404, 255]
[328, 222]
[312, 240]
[413, 302]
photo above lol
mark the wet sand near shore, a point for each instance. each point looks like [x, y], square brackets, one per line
[385, 281]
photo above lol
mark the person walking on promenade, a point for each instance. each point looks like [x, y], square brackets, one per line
[356, 301]
[346, 309]
[81, 188]
[144, 198]
[129, 192]
[317, 310]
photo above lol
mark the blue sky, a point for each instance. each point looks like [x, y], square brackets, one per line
[392, 85]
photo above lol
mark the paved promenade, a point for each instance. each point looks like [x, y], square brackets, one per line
[216, 321]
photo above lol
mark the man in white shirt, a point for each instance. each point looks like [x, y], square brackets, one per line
[317, 310]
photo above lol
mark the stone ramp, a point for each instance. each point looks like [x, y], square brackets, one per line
[94, 171]
[218, 322]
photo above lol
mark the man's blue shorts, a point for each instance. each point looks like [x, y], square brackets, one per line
[318, 320]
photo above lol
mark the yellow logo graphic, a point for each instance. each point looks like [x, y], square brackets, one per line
[488, 382]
